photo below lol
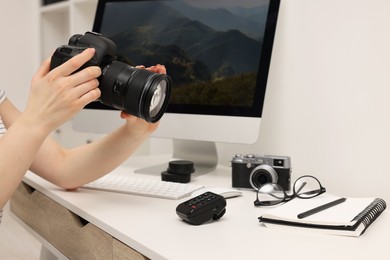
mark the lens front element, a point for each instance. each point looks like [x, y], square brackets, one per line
[158, 99]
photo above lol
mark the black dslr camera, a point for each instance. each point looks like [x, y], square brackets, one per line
[253, 171]
[139, 92]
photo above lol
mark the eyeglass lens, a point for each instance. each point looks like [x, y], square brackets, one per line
[271, 194]
[305, 187]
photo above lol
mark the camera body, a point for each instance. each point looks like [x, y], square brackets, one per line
[139, 92]
[106, 50]
[252, 171]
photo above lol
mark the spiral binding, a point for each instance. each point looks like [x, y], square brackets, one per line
[370, 213]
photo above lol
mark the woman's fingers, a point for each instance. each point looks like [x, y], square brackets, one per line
[73, 64]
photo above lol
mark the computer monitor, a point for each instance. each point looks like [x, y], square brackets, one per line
[216, 52]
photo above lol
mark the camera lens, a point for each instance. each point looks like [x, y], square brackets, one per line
[139, 92]
[261, 175]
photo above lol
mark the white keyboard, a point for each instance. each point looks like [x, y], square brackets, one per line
[143, 187]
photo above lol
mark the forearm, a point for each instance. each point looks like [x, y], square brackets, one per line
[83, 164]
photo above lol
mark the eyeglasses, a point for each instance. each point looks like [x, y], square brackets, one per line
[305, 187]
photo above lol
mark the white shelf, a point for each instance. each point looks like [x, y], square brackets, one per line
[54, 31]
[55, 7]
[82, 15]
[59, 21]
[83, 1]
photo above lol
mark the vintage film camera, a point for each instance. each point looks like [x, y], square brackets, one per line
[139, 92]
[253, 171]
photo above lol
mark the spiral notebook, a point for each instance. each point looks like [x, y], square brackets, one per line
[350, 218]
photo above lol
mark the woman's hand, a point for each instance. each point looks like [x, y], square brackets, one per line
[157, 68]
[57, 95]
[138, 126]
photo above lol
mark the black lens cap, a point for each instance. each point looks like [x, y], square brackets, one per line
[166, 176]
[183, 167]
[178, 171]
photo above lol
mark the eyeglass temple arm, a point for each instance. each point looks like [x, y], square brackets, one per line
[302, 186]
[320, 190]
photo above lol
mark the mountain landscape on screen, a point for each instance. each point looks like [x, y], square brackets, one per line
[205, 50]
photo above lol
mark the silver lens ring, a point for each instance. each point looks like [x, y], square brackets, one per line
[262, 168]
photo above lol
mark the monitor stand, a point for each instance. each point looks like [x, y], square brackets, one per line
[202, 153]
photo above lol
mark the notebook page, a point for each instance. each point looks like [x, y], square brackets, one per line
[341, 214]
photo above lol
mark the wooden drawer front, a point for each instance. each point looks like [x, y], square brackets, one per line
[123, 252]
[73, 236]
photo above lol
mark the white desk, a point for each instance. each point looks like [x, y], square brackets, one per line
[151, 226]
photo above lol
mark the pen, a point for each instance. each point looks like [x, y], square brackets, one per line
[321, 208]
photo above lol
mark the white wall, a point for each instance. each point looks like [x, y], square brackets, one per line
[19, 47]
[327, 103]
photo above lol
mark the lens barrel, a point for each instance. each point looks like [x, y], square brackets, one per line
[261, 175]
[138, 92]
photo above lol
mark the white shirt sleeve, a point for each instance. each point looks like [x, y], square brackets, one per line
[3, 96]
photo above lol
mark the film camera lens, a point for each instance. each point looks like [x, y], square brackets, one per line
[261, 175]
[138, 92]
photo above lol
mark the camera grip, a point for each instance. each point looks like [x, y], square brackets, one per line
[64, 53]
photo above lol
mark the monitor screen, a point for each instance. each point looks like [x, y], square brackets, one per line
[216, 52]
